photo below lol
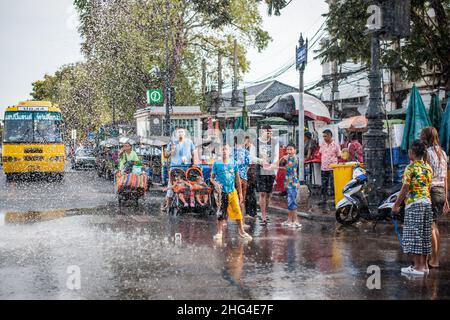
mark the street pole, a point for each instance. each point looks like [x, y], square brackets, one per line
[301, 115]
[167, 73]
[303, 191]
[234, 94]
[374, 138]
[219, 84]
[114, 113]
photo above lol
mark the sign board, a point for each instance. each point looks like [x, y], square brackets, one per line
[74, 134]
[154, 96]
[18, 116]
[301, 55]
[49, 116]
[32, 108]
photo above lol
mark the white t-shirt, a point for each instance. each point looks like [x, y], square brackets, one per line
[269, 150]
[439, 167]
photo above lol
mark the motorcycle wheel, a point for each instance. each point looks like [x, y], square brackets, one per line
[347, 215]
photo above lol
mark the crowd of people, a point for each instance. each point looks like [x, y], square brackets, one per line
[243, 169]
[239, 172]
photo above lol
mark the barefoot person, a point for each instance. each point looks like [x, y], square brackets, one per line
[437, 159]
[225, 177]
[418, 213]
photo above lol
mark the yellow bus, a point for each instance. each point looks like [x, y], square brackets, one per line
[32, 140]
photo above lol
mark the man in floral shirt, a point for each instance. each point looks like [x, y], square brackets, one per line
[330, 152]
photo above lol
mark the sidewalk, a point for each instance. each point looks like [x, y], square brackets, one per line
[312, 211]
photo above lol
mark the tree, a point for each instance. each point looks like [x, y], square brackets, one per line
[123, 42]
[427, 49]
[126, 39]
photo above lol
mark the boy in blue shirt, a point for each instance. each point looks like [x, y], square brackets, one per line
[225, 178]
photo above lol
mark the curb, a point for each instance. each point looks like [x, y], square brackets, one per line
[305, 215]
[331, 217]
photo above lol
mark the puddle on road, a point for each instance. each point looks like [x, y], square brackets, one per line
[31, 217]
[132, 254]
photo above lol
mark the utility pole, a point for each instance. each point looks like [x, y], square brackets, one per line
[219, 83]
[334, 90]
[114, 113]
[234, 95]
[301, 58]
[167, 74]
[204, 83]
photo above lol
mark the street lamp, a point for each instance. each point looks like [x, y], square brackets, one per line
[388, 18]
[167, 74]
[301, 58]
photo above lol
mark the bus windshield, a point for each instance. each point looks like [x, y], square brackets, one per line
[37, 127]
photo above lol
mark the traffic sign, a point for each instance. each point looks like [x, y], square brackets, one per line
[154, 96]
[74, 134]
[90, 136]
[301, 55]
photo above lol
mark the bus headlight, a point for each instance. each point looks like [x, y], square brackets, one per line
[10, 159]
[57, 158]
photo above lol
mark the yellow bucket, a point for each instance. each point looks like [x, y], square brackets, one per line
[342, 173]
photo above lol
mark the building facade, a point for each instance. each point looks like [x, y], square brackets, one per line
[151, 121]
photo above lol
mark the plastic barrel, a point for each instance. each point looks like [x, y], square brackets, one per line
[342, 173]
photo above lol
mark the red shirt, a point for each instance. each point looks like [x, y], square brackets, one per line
[355, 150]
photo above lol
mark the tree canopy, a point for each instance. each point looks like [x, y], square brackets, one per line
[123, 45]
[425, 53]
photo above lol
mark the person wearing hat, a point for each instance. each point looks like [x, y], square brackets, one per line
[127, 154]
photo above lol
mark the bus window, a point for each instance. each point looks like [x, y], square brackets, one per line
[18, 127]
[47, 127]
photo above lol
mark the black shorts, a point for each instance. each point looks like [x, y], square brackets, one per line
[264, 183]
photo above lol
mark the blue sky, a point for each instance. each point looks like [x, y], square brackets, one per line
[39, 36]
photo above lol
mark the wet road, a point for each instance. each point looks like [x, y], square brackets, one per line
[137, 253]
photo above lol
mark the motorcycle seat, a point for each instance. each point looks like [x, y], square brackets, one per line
[388, 190]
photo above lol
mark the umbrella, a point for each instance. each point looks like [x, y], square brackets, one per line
[240, 124]
[358, 123]
[435, 112]
[274, 121]
[416, 118]
[444, 132]
[112, 141]
[156, 141]
[286, 106]
[397, 113]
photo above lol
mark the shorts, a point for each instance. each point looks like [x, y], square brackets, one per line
[230, 207]
[292, 198]
[437, 201]
[264, 183]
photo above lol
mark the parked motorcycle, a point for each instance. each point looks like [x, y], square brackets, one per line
[355, 204]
